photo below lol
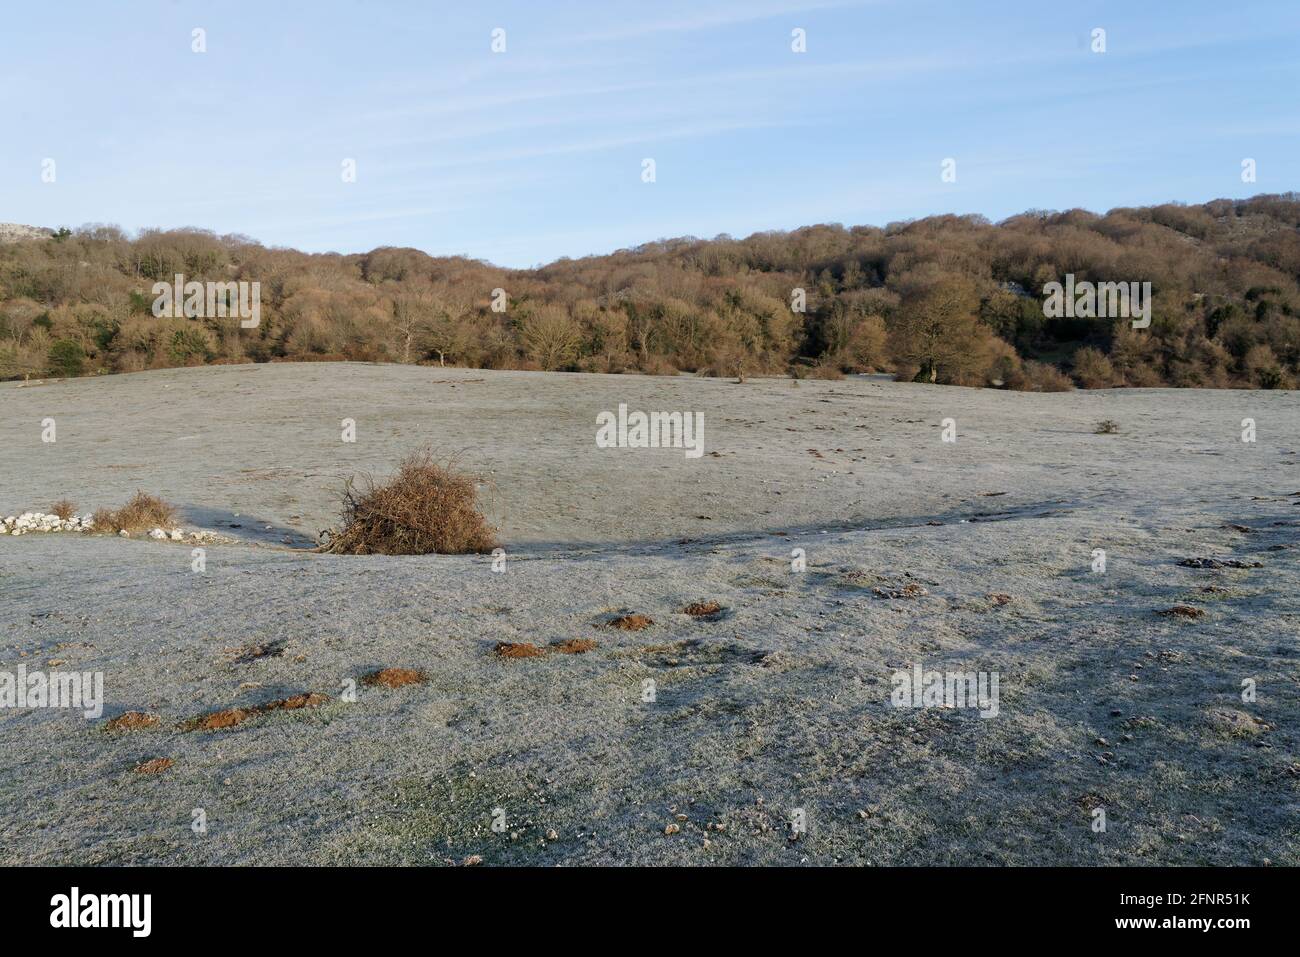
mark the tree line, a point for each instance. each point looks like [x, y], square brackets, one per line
[946, 299]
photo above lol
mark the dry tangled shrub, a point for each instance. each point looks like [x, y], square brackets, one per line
[142, 513]
[1040, 377]
[64, 509]
[427, 507]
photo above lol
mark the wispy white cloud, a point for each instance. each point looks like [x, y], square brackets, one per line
[590, 145]
[711, 20]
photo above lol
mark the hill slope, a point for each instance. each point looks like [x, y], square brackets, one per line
[949, 299]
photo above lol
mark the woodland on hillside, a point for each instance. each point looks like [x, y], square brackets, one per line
[948, 299]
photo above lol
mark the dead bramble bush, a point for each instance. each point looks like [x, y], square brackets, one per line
[142, 513]
[1040, 377]
[427, 507]
[64, 509]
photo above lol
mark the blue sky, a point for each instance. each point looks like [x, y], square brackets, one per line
[532, 154]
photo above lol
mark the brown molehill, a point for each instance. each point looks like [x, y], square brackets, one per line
[156, 766]
[230, 717]
[517, 649]
[394, 677]
[426, 508]
[220, 719]
[631, 622]
[699, 609]
[1183, 611]
[573, 646]
[132, 721]
[308, 699]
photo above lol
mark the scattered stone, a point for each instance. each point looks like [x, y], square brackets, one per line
[472, 861]
[671, 829]
[29, 522]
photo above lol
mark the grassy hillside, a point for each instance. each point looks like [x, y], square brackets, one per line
[950, 299]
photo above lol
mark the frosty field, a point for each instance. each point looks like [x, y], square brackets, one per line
[775, 709]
